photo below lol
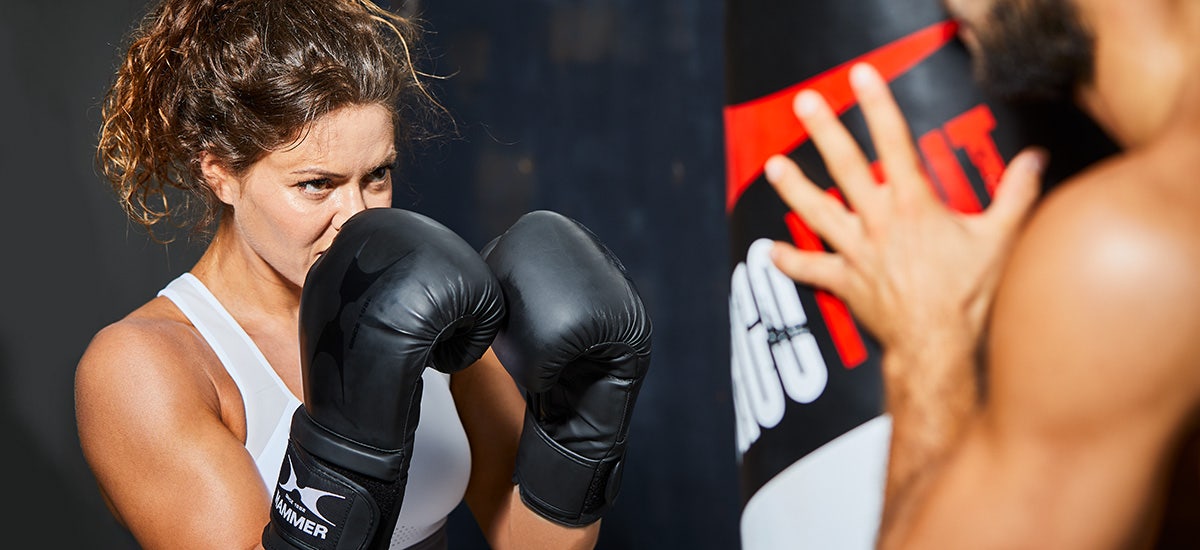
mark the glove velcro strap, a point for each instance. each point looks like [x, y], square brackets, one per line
[562, 486]
[315, 508]
[386, 465]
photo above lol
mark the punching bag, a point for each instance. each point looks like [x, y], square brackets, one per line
[812, 436]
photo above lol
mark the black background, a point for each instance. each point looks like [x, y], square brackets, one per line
[605, 110]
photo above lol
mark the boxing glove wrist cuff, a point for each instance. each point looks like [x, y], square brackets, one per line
[329, 446]
[316, 508]
[563, 486]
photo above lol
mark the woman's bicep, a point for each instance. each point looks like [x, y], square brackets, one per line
[171, 470]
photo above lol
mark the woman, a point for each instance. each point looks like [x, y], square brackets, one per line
[275, 120]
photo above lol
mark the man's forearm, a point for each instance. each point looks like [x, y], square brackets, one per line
[929, 408]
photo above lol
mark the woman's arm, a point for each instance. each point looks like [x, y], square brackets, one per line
[577, 342]
[150, 423]
[492, 411]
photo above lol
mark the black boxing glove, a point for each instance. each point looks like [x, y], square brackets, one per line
[577, 342]
[395, 293]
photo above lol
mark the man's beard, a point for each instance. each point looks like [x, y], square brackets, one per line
[1035, 50]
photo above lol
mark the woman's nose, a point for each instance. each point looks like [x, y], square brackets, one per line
[350, 202]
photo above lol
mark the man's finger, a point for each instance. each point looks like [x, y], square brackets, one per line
[889, 130]
[824, 213]
[841, 153]
[819, 269]
[1018, 189]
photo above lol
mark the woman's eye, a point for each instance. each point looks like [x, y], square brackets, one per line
[380, 173]
[314, 187]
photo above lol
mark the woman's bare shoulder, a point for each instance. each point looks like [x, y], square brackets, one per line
[148, 399]
[151, 358]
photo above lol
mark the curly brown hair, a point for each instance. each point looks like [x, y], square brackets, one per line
[240, 78]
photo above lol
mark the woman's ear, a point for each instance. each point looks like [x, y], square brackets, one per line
[223, 183]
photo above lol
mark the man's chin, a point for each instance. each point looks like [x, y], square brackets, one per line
[1041, 53]
[1034, 85]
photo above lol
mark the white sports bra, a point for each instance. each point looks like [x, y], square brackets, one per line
[441, 462]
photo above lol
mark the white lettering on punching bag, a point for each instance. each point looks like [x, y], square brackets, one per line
[774, 353]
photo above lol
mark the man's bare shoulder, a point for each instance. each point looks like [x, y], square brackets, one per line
[1105, 273]
[1132, 216]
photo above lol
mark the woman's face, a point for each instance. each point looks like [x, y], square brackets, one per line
[291, 203]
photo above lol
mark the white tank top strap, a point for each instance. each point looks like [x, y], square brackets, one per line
[268, 403]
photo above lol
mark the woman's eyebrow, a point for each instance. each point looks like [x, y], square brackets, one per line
[316, 170]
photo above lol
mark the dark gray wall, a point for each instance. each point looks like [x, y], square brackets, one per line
[605, 110]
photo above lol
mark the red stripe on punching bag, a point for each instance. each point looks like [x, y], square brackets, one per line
[757, 129]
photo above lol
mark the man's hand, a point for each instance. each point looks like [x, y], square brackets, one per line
[915, 273]
[919, 276]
